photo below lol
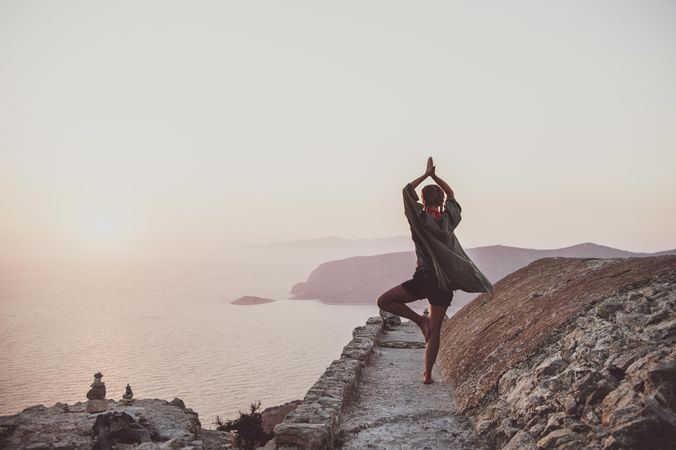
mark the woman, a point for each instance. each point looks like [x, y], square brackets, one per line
[442, 266]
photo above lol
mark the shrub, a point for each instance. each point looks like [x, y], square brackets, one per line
[248, 428]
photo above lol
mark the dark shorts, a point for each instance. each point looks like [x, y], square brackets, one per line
[424, 285]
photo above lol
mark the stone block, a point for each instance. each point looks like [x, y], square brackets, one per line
[97, 406]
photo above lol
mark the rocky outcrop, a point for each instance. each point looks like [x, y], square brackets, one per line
[251, 300]
[570, 353]
[358, 280]
[314, 423]
[150, 423]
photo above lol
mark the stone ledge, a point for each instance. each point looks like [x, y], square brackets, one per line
[315, 422]
[402, 344]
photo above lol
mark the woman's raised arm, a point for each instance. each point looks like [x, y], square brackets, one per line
[443, 185]
[429, 171]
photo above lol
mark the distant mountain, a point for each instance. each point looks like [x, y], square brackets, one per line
[268, 270]
[361, 279]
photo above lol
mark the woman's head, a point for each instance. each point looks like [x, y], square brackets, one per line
[432, 195]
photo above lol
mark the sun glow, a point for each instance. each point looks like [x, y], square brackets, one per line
[101, 233]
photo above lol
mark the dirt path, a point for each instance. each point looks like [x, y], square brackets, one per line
[395, 409]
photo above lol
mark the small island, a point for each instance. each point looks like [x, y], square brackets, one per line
[251, 300]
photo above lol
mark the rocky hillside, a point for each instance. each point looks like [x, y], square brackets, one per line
[362, 279]
[570, 353]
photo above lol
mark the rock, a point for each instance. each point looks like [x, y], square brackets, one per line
[591, 385]
[483, 427]
[558, 437]
[662, 330]
[251, 300]
[213, 439]
[551, 366]
[625, 359]
[643, 432]
[63, 445]
[270, 445]
[568, 352]
[536, 429]
[97, 406]
[663, 372]
[657, 317]
[554, 422]
[591, 417]
[570, 404]
[34, 408]
[619, 405]
[402, 344]
[389, 319]
[521, 441]
[274, 415]
[608, 310]
[119, 427]
[39, 446]
[177, 402]
[612, 443]
[508, 380]
[303, 435]
[665, 417]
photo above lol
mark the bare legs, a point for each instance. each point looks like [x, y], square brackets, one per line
[436, 318]
[394, 301]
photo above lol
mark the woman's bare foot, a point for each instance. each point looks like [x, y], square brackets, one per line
[425, 327]
[427, 379]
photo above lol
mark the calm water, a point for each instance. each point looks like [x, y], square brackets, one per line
[168, 335]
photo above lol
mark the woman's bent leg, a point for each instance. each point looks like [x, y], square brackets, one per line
[394, 301]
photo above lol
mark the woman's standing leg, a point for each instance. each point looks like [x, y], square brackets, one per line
[437, 314]
[394, 301]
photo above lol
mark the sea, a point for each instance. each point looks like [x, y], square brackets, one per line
[168, 333]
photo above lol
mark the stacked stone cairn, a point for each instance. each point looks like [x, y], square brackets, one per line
[97, 395]
[128, 396]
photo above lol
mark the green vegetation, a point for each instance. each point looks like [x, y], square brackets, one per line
[248, 428]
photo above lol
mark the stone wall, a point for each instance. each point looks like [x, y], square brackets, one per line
[596, 368]
[315, 422]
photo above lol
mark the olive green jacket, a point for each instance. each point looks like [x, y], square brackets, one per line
[436, 243]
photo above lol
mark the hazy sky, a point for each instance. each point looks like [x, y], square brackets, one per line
[133, 129]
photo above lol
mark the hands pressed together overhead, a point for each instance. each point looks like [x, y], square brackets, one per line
[430, 172]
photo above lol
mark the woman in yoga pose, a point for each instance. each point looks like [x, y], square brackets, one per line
[442, 266]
